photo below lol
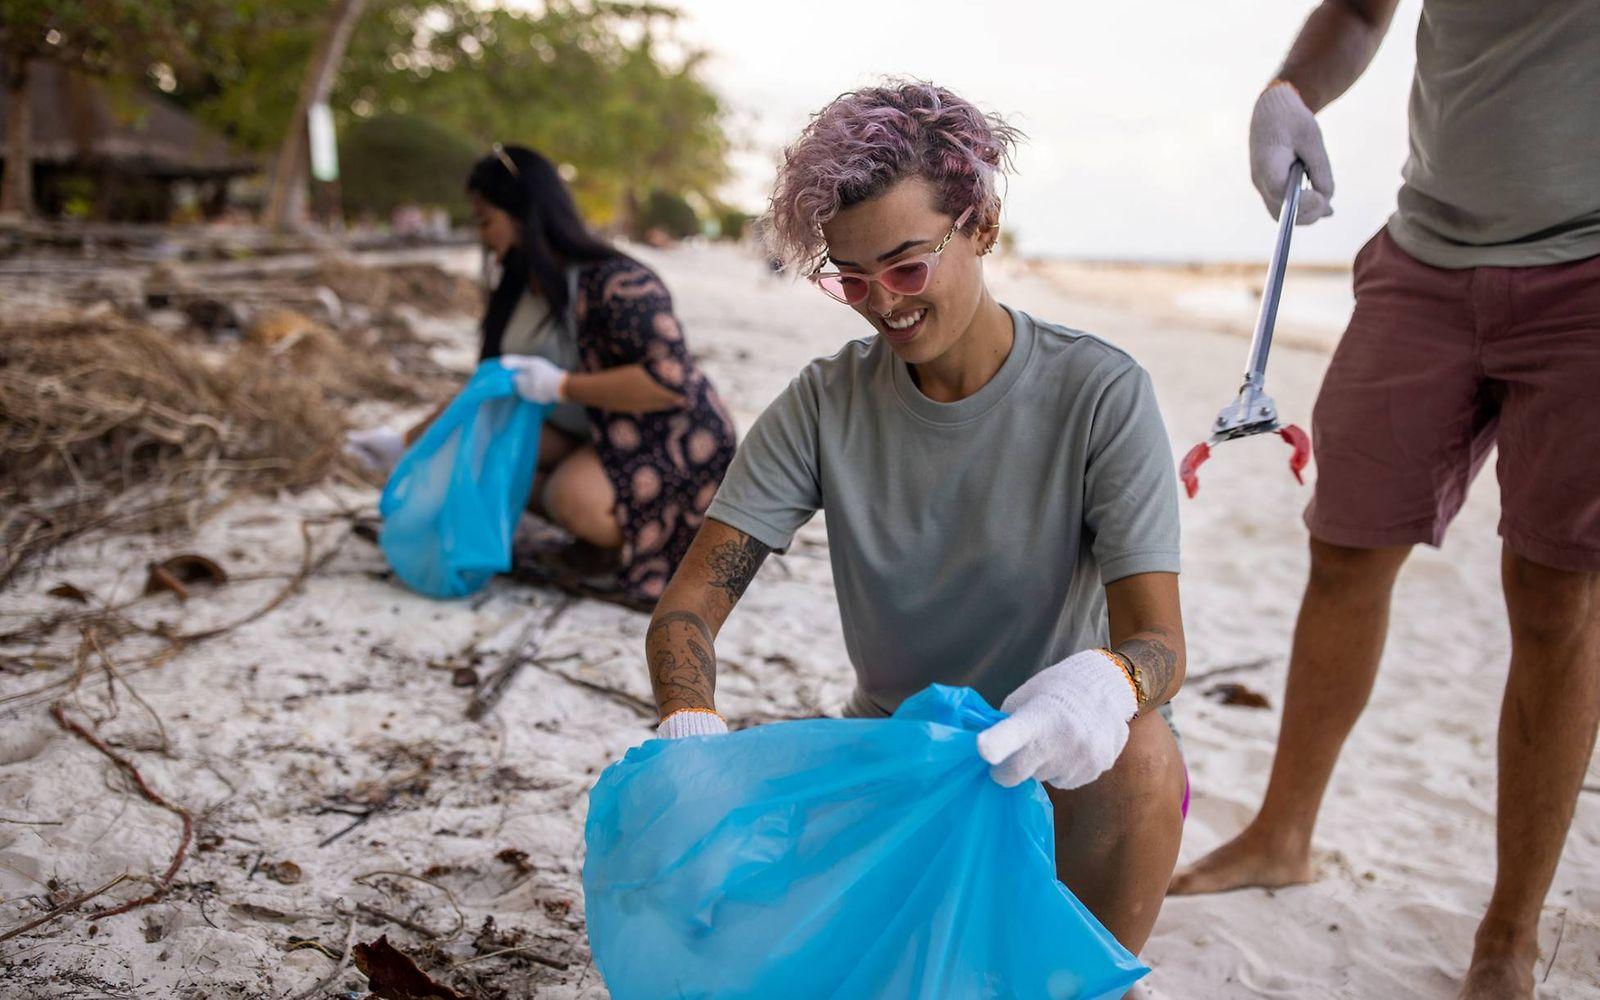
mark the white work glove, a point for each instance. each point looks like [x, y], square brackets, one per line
[1067, 726]
[1282, 129]
[538, 380]
[379, 448]
[691, 722]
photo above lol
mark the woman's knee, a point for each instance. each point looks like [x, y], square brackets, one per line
[580, 499]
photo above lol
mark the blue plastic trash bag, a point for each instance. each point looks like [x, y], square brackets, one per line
[836, 858]
[452, 504]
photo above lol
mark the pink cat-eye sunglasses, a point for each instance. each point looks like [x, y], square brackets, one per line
[909, 276]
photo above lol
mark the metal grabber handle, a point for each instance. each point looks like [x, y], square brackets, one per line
[1254, 412]
[1267, 318]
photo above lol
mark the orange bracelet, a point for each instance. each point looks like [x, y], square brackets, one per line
[680, 711]
[1117, 658]
[1287, 83]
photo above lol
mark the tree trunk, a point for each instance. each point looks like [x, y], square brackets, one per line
[628, 215]
[16, 196]
[286, 204]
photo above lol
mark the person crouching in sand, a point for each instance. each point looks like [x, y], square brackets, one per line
[1000, 496]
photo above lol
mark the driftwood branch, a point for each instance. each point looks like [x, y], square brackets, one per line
[523, 652]
[62, 910]
[59, 711]
[410, 925]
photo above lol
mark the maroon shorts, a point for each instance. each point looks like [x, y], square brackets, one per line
[1436, 368]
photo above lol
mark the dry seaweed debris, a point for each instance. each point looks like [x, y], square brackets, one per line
[426, 287]
[344, 365]
[116, 425]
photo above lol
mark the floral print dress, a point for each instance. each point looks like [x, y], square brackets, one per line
[664, 467]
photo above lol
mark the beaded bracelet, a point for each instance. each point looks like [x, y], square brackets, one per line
[708, 711]
[1287, 83]
[1123, 665]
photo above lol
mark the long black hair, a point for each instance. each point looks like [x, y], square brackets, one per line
[552, 235]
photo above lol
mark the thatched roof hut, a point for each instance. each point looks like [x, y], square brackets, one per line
[123, 151]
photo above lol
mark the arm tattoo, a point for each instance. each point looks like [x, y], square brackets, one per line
[683, 664]
[733, 565]
[671, 617]
[1151, 649]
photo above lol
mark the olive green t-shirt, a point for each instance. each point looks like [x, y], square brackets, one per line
[971, 541]
[1505, 135]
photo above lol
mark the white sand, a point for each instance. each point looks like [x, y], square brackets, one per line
[340, 695]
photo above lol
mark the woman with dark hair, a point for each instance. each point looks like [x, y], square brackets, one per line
[637, 440]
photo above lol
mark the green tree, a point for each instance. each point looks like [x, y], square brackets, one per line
[670, 213]
[732, 223]
[391, 160]
[248, 63]
[602, 87]
[586, 83]
[286, 204]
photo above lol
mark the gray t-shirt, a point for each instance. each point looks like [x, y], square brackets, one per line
[1505, 135]
[971, 541]
[529, 331]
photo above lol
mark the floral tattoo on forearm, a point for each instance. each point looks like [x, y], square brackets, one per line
[733, 565]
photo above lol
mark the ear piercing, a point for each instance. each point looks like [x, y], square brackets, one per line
[986, 251]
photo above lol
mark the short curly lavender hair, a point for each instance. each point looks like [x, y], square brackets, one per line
[865, 141]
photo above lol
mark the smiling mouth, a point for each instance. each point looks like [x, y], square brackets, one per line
[903, 326]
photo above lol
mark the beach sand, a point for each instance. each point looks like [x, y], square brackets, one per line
[342, 698]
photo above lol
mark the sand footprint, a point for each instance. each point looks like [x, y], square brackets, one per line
[23, 741]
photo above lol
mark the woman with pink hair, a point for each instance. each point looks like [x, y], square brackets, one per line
[1001, 503]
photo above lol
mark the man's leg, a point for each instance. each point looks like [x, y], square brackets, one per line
[1117, 838]
[1547, 733]
[1338, 640]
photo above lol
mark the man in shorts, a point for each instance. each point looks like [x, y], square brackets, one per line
[1477, 322]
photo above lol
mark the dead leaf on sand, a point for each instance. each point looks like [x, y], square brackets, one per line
[180, 572]
[67, 592]
[1237, 694]
[391, 975]
[256, 912]
[516, 859]
[286, 872]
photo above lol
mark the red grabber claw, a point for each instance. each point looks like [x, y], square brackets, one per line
[1254, 412]
[1302, 450]
[1188, 469]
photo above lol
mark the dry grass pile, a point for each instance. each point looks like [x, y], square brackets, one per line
[347, 365]
[425, 287]
[119, 426]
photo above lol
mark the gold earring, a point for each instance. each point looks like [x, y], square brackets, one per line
[990, 248]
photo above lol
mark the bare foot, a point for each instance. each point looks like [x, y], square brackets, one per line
[1503, 957]
[1245, 861]
[1499, 979]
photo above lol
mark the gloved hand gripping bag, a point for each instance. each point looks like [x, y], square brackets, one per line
[836, 858]
[451, 507]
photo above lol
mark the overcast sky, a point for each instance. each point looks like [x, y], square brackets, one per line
[1136, 111]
